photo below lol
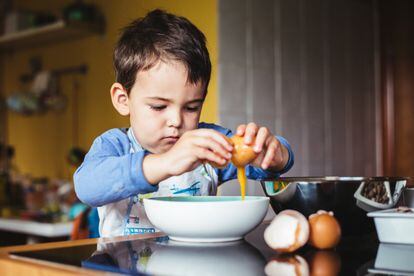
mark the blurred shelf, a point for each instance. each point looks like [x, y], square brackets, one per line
[49, 230]
[55, 32]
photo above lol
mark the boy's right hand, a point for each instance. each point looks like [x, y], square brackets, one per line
[193, 148]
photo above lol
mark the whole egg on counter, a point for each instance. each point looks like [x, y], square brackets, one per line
[290, 230]
[325, 231]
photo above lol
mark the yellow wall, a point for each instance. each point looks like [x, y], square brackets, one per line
[42, 141]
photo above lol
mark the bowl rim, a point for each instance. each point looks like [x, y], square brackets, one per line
[232, 199]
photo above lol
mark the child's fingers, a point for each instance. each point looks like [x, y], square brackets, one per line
[240, 130]
[250, 133]
[212, 145]
[271, 153]
[209, 156]
[261, 138]
[216, 136]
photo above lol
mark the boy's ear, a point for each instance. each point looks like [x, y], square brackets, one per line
[120, 98]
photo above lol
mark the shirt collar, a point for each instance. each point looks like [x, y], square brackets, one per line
[134, 143]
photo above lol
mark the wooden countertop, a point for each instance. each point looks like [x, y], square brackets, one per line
[12, 265]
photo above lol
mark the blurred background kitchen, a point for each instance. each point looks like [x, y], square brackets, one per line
[335, 77]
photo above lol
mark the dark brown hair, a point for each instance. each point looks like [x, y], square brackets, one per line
[161, 36]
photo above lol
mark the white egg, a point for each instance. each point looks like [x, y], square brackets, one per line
[290, 266]
[288, 231]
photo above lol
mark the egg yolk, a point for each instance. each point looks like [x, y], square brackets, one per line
[241, 176]
[242, 155]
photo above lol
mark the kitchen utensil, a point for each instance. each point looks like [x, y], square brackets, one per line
[394, 226]
[206, 218]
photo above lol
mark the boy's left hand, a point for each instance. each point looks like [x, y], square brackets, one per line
[272, 154]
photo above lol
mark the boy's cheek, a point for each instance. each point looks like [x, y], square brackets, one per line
[192, 122]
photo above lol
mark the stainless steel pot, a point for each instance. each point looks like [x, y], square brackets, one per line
[338, 194]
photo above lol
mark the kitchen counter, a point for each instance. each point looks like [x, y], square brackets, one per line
[156, 254]
[33, 231]
[49, 230]
[13, 261]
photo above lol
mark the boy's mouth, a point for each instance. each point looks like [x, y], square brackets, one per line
[171, 139]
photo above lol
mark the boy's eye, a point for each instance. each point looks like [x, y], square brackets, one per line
[192, 108]
[157, 107]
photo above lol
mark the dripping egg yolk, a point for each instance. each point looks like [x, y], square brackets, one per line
[241, 156]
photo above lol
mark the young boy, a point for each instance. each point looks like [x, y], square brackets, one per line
[162, 73]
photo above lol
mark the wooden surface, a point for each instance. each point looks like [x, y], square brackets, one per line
[397, 43]
[55, 32]
[13, 265]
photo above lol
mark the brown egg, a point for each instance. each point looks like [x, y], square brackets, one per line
[242, 154]
[324, 263]
[325, 231]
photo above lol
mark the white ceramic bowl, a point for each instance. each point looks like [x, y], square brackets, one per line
[184, 258]
[206, 218]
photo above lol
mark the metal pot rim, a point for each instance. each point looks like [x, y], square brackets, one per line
[313, 179]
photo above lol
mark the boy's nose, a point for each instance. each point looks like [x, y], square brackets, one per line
[174, 120]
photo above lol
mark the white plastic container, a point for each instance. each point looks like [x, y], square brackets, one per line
[393, 226]
[395, 259]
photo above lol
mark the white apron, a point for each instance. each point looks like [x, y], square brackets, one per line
[128, 216]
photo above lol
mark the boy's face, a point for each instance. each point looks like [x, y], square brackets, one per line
[163, 105]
